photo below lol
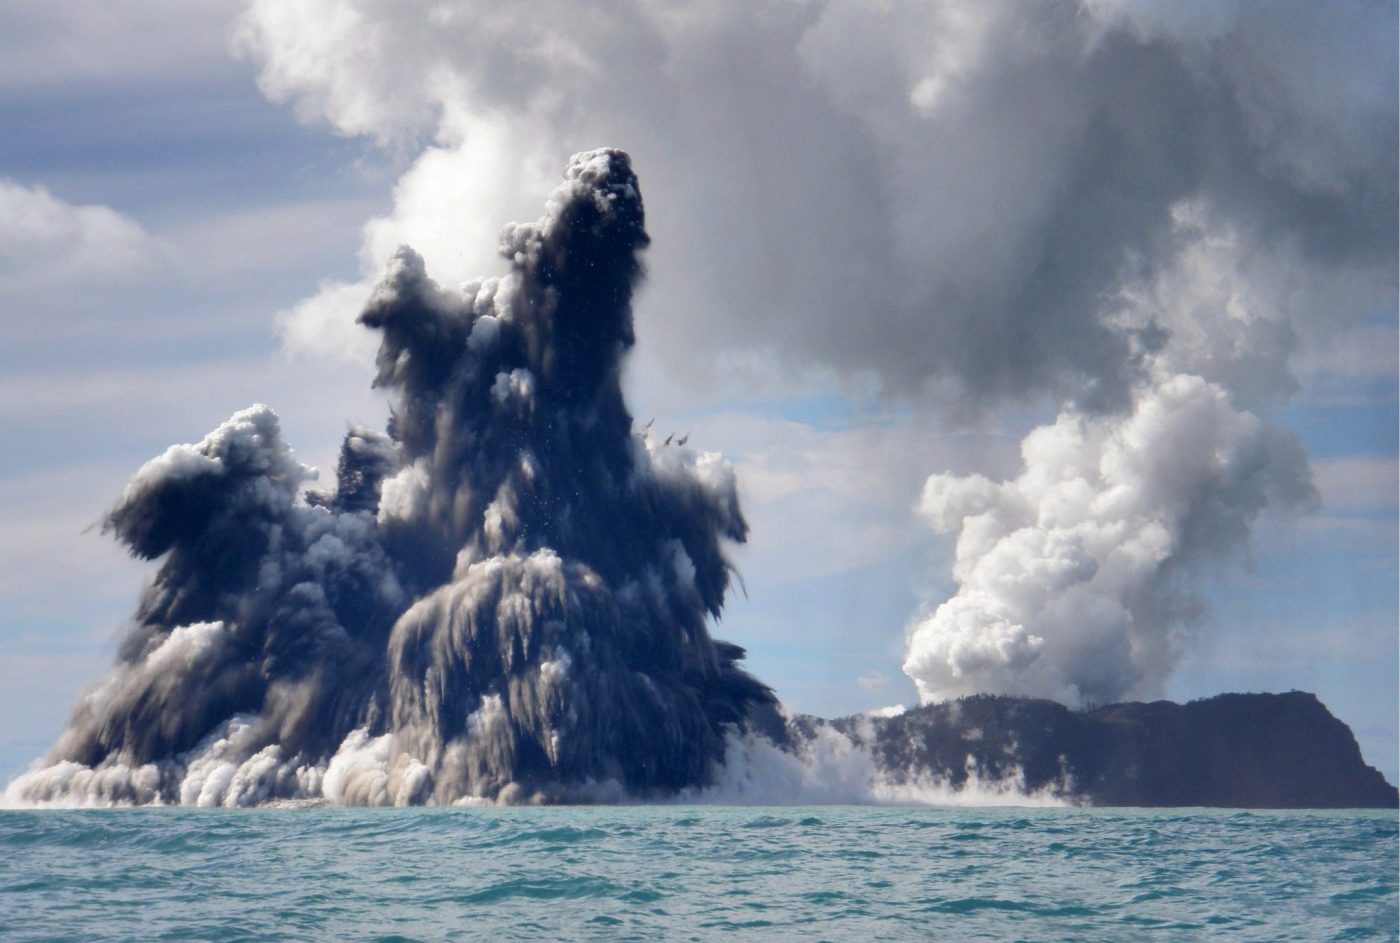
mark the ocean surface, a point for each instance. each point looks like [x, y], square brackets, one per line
[697, 873]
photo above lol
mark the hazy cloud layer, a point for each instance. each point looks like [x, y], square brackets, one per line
[43, 238]
[58, 45]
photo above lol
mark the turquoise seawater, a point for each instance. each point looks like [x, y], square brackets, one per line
[697, 873]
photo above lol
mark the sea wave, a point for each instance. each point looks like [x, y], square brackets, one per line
[697, 873]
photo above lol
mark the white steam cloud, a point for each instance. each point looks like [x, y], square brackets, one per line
[1073, 578]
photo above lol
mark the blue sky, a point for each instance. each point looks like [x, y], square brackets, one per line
[231, 207]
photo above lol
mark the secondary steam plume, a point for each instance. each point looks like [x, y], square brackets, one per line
[1074, 578]
[505, 597]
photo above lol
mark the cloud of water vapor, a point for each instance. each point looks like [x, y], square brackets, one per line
[1074, 578]
[505, 597]
[1077, 579]
[988, 174]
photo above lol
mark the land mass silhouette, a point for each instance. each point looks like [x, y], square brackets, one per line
[1232, 750]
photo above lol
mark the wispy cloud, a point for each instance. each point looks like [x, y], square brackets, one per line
[45, 239]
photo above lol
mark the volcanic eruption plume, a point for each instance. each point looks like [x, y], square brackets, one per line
[505, 597]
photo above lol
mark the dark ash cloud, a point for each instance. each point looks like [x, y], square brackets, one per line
[507, 597]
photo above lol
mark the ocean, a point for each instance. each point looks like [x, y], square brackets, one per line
[697, 873]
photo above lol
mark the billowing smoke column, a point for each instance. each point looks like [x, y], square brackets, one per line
[504, 598]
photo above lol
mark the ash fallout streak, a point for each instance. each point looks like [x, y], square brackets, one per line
[506, 597]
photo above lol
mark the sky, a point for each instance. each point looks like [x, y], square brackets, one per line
[1054, 344]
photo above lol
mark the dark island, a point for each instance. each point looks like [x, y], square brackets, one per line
[1233, 750]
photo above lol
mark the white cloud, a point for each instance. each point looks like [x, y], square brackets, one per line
[872, 681]
[1076, 578]
[324, 325]
[42, 238]
[922, 191]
